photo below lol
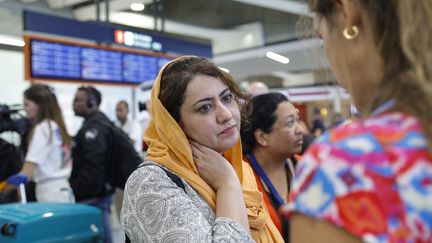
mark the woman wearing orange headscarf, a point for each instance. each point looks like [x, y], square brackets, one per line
[194, 135]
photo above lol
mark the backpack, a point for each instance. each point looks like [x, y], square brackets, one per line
[10, 163]
[122, 157]
[10, 159]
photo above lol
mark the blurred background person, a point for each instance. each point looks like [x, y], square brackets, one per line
[257, 88]
[337, 119]
[47, 160]
[134, 130]
[144, 120]
[128, 125]
[90, 155]
[318, 126]
[308, 138]
[370, 180]
[270, 142]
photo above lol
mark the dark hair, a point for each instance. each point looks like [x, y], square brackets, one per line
[48, 108]
[92, 94]
[402, 34]
[177, 75]
[263, 117]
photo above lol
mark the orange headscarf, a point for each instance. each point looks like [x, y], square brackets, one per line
[168, 145]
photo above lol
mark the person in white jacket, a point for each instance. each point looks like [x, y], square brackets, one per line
[47, 161]
[129, 126]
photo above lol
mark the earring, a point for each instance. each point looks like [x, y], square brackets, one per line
[352, 33]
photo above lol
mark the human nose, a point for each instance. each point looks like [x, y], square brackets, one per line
[223, 114]
[298, 128]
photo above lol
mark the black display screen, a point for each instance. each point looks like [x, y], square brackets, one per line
[74, 62]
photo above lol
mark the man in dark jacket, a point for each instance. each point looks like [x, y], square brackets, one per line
[90, 155]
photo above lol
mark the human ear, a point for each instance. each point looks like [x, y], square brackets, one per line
[260, 137]
[350, 13]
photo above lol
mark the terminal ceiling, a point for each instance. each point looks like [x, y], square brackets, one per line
[240, 31]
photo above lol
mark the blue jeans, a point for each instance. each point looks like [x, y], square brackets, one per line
[104, 204]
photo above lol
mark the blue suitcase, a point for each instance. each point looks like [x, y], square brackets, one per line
[50, 222]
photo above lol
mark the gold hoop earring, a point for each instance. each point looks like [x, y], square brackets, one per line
[351, 33]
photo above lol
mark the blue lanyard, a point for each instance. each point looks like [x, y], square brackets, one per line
[384, 107]
[261, 173]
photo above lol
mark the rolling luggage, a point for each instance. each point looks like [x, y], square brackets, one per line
[50, 222]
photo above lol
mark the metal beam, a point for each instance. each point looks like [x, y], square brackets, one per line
[288, 6]
[87, 12]
[58, 4]
[222, 40]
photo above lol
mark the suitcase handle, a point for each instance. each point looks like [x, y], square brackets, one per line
[22, 193]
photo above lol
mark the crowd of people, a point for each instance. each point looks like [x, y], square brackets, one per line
[225, 165]
[66, 169]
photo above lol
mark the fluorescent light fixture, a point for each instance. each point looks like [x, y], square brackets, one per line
[137, 7]
[224, 69]
[11, 41]
[276, 57]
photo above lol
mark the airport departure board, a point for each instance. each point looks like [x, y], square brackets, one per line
[97, 64]
[133, 65]
[56, 60]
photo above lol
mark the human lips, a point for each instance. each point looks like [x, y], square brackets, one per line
[229, 130]
[299, 142]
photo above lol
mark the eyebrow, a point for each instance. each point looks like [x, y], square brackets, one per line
[210, 98]
[292, 116]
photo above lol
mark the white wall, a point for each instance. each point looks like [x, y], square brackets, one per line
[12, 85]
[12, 82]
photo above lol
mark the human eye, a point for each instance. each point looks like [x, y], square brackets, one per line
[227, 98]
[204, 108]
[290, 123]
[297, 120]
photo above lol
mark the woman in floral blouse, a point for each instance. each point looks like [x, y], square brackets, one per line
[371, 180]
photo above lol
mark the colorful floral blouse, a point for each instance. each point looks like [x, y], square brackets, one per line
[371, 177]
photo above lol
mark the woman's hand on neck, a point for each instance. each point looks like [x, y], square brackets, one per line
[212, 167]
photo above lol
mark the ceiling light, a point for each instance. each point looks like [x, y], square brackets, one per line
[10, 41]
[276, 57]
[248, 39]
[137, 7]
